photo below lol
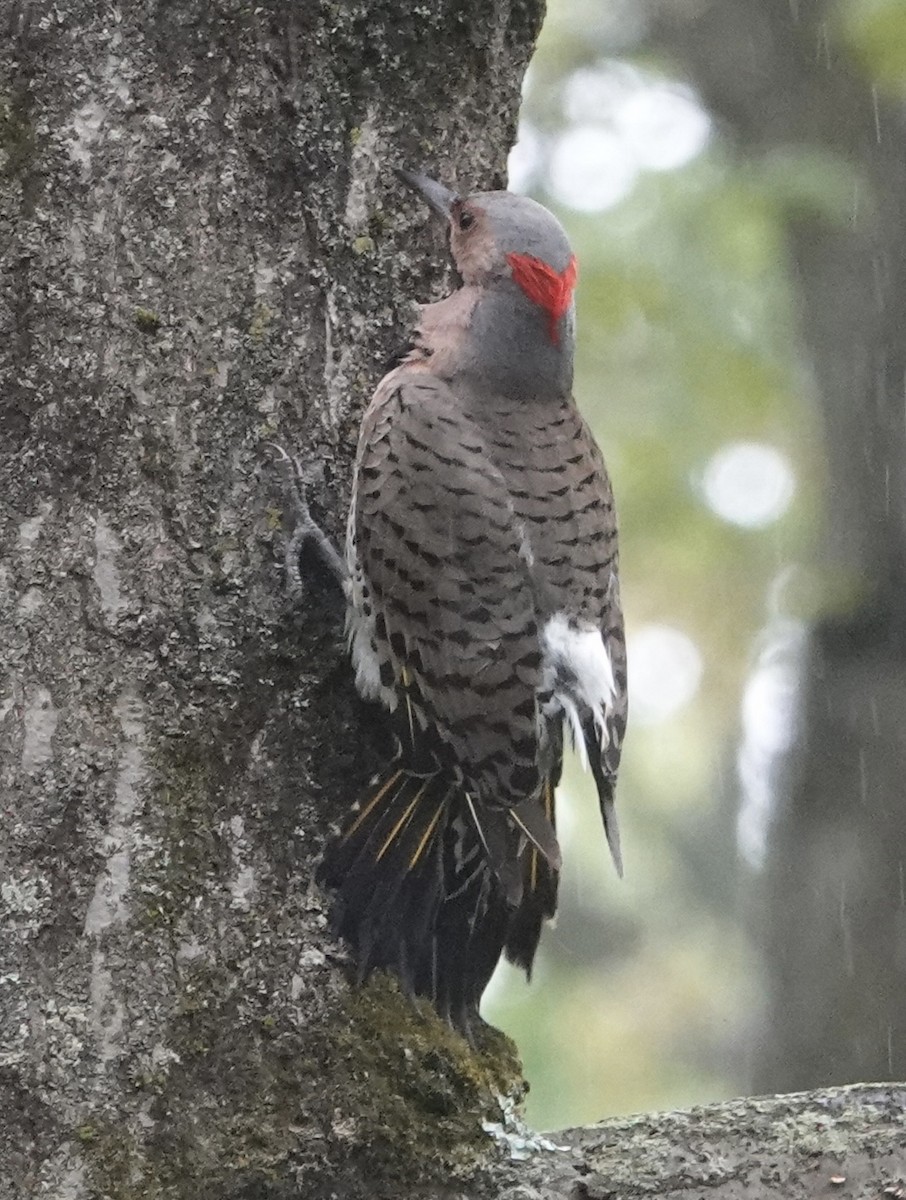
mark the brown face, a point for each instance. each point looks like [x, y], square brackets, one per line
[472, 242]
[500, 235]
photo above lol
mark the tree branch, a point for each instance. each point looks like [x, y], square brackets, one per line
[845, 1142]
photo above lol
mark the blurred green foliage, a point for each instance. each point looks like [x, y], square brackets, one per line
[876, 31]
[645, 990]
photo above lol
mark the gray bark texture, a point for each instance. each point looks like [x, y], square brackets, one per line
[204, 250]
[833, 904]
[845, 1142]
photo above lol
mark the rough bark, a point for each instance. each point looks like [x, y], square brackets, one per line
[845, 1142]
[204, 249]
[781, 78]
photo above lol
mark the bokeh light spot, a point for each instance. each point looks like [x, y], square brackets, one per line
[664, 125]
[590, 169]
[665, 669]
[749, 484]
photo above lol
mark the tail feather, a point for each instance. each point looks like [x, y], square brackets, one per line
[539, 905]
[434, 886]
[494, 828]
[361, 830]
[383, 872]
[537, 825]
[483, 889]
[470, 933]
[604, 782]
[461, 929]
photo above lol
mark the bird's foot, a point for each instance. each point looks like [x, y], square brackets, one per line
[307, 534]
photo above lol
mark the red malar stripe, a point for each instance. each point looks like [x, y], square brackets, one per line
[545, 287]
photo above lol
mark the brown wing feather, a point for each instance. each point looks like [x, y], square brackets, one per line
[561, 492]
[438, 541]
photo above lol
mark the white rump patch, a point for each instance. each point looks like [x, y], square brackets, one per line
[359, 634]
[579, 673]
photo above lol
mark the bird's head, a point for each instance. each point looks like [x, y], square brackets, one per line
[499, 240]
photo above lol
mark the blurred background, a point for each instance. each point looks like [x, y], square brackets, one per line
[732, 177]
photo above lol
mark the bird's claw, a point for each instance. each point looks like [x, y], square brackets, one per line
[306, 531]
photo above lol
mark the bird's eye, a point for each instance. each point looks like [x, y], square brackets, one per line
[466, 219]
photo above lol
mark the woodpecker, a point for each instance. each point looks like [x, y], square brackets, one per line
[483, 614]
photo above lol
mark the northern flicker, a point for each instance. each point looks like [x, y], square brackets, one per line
[483, 613]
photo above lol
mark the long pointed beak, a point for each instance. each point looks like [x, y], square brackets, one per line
[438, 198]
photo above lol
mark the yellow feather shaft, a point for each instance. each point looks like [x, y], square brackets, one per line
[400, 823]
[549, 813]
[477, 823]
[426, 836]
[524, 828]
[375, 799]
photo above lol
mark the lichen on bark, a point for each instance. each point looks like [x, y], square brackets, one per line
[203, 249]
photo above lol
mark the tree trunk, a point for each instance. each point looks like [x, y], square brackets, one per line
[204, 250]
[833, 891]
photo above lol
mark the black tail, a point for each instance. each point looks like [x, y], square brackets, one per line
[541, 880]
[433, 886]
[605, 780]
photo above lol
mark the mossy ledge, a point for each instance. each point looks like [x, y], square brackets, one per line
[383, 1090]
[261, 1083]
[416, 1084]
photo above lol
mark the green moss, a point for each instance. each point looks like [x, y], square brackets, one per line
[260, 322]
[114, 1165]
[405, 1100]
[363, 245]
[405, 1089]
[373, 1086]
[400, 1063]
[146, 320]
[190, 849]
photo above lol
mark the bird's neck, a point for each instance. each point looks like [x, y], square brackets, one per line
[499, 340]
